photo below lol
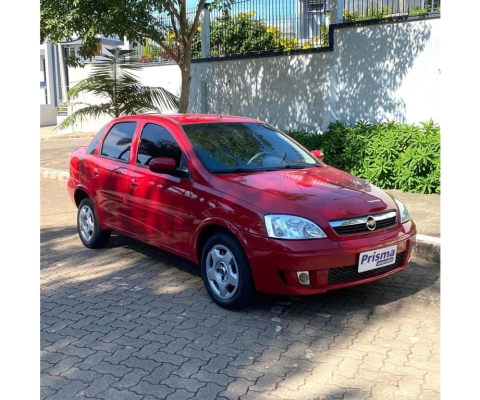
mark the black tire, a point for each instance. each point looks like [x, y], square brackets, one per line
[226, 273]
[89, 230]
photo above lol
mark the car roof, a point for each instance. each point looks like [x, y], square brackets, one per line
[190, 118]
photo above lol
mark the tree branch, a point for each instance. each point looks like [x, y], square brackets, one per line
[173, 10]
[201, 4]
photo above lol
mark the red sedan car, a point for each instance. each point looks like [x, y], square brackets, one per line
[256, 210]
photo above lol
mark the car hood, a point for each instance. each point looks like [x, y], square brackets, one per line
[320, 194]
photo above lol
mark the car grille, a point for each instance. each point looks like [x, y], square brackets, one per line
[345, 274]
[359, 224]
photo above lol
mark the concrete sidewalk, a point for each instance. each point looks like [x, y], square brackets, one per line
[55, 151]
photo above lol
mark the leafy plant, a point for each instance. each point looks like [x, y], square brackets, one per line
[150, 52]
[241, 34]
[324, 36]
[371, 13]
[312, 141]
[390, 155]
[112, 79]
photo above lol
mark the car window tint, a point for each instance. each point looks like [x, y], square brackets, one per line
[229, 146]
[156, 141]
[118, 141]
[93, 145]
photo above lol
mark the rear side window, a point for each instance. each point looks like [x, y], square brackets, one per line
[118, 142]
[156, 141]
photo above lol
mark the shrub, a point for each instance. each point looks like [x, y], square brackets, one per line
[240, 34]
[390, 155]
[371, 13]
[311, 141]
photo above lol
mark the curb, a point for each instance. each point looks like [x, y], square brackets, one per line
[53, 174]
[426, 247]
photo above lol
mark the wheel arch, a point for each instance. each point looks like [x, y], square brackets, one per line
[211, 227]
[79, 195]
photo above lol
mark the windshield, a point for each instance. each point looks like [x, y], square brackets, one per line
[227, 147]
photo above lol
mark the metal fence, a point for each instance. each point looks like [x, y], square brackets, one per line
[361, 10]
[266, 26]
[252, 27]
[258, 26]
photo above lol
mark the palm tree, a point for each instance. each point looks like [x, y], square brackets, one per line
[112, 79]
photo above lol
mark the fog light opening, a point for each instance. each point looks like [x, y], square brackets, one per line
[303, 278]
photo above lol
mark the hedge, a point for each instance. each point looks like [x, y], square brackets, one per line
[390, 155]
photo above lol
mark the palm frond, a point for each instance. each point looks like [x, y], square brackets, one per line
[90, 111]
[112, 79]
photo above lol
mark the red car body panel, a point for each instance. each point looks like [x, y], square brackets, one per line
[172, 212]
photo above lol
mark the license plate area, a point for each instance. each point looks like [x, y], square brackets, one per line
[378, 258]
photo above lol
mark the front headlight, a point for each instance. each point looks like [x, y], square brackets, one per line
[281, 226]
[404, 215]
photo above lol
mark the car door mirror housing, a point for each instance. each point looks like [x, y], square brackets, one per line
[318, 154]
[165, 165]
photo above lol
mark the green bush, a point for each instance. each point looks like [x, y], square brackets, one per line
[240, 34]
[371, 13]
[390, 155]
[308, 140]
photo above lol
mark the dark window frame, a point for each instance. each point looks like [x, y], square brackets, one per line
[150, 156]
[124, 151]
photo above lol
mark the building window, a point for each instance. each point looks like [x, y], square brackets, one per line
[316, 6]
[70, 52]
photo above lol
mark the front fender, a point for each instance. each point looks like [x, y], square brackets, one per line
[206, 228]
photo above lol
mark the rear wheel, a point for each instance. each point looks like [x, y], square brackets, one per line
[226, 272]
[89, 230]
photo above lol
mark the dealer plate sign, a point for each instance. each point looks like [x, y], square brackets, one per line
[377, 258]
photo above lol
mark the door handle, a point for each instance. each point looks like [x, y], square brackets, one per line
[95, 173]
[133, 183]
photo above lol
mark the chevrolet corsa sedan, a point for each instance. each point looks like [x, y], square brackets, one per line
[255, 209]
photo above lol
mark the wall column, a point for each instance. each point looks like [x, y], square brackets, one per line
[49, 74]
[205, 36]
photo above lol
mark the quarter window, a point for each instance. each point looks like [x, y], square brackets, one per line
[118, 142]
[93, 144]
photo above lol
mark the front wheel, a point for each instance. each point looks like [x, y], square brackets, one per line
[226, 272]
[89, 230]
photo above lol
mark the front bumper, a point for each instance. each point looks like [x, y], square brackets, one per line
[331, 264]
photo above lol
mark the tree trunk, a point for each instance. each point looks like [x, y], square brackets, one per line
[185, 67]
[185, 92]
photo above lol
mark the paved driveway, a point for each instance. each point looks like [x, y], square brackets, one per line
[134, 322]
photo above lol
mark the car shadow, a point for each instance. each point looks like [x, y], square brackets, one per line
[419, 275]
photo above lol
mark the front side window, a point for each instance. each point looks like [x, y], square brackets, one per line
[156, 141]
[227, 147]
[118, 142]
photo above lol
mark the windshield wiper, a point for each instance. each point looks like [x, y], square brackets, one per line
[237, 170]
[295, 166]
[298, 165]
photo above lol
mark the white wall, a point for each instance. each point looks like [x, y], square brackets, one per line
[389, 72]
[166, 76]
[284, 91]
[48, 115]
[375, 73]
[91, 125]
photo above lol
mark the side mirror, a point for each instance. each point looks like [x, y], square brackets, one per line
[163, 165]
[318, 154]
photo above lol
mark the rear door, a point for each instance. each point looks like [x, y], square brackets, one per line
[111, 175]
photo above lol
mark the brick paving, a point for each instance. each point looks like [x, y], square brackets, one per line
[134, 322]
